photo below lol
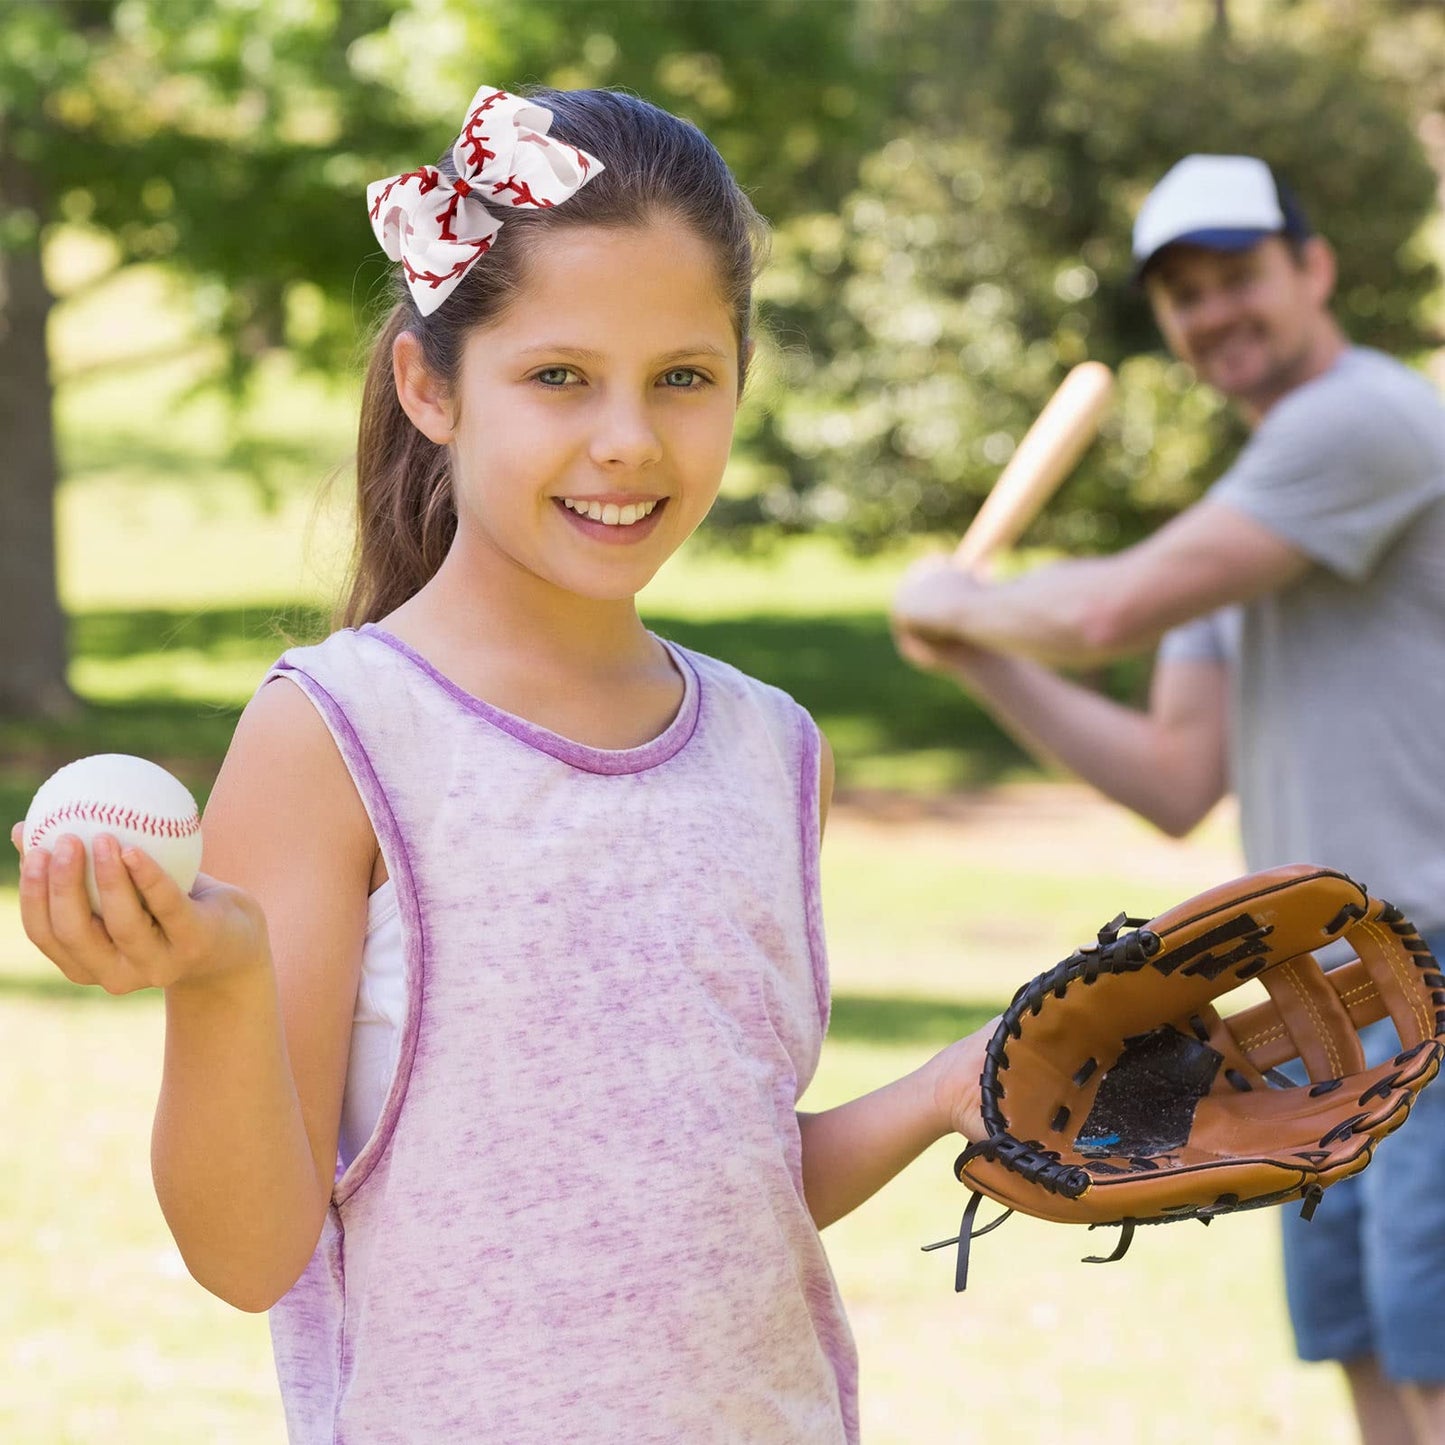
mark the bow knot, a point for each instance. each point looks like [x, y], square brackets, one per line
[438, 229]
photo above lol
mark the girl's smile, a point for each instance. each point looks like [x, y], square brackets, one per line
[616, 518]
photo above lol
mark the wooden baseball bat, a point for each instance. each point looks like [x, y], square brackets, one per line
[1049, 451]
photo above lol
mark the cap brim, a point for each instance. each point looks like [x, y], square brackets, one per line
[1221, 238]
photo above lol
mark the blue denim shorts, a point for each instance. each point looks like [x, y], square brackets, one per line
[1366, 1275]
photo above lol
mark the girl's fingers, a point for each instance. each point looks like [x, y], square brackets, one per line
[79, 932]
[126, 918]
[35, 915]
[35, 899]
[17, 837]
[160, 893]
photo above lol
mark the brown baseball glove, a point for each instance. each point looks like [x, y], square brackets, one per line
[1115, 1092]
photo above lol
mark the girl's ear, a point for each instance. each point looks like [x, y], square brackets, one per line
[422, 396]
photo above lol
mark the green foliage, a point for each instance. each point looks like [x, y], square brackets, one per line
[986, 249]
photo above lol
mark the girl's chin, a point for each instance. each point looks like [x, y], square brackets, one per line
[609, 584]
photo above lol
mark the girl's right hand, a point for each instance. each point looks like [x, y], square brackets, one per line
[149, 935]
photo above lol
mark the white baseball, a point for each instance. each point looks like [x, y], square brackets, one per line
[136, 802]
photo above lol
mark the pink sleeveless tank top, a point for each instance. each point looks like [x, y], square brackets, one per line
[580, 1217]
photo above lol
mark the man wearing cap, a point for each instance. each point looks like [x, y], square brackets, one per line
[1299, 609]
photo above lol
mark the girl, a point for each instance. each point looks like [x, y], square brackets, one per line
[481, 1072]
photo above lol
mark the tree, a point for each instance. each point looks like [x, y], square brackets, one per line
[160, 125]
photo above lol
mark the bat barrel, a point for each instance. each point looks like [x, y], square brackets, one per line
[1049, 451]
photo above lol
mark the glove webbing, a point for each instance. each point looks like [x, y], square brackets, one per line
[1112, 954]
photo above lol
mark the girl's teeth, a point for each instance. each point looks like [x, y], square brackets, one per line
[609, 513]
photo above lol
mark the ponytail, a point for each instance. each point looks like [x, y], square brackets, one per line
[405, 515]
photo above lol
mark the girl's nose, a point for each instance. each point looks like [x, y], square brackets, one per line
[626, 438]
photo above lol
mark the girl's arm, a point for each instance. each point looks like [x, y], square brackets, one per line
[243, 1152]
[852, 1151]
[260, 982]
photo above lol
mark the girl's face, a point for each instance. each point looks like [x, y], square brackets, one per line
[591, 424]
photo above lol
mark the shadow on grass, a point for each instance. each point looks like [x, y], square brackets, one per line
[846, 672]
[102, 453]
[880, 1019]
[857, 1018]
[843, 669]
[115, 635]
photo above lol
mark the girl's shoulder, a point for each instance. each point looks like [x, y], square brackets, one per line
[353, 668]
[732, 681]
[727, 689]
[346, 647]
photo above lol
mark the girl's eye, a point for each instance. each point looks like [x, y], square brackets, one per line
[683, 378]
[554, 375]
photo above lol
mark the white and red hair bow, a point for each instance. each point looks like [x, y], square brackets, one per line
[439, 228]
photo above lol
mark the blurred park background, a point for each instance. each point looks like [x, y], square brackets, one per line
[186, 281]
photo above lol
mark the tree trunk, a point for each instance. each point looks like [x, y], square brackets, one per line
[32, 625]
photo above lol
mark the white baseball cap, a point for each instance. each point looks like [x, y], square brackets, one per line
[1226, 203]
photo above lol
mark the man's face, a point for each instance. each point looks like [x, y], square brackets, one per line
[1248, 322]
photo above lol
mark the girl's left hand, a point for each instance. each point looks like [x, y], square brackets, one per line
[956, 1072]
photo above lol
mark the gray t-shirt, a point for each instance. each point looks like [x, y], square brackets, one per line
[1337, 743]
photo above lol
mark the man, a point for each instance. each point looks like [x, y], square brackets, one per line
[1302, 609]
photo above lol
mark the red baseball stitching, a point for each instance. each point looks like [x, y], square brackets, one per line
[429, 177]
[459, 268]
[473, 139]
[113, 816]
[524, 196]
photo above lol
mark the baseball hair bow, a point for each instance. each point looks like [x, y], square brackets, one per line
[439, 228]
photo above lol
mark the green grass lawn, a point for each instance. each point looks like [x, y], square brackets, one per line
[185, 578]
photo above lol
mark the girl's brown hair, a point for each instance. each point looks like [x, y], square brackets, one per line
[656, 167]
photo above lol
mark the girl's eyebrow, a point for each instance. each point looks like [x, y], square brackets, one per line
[582, 353]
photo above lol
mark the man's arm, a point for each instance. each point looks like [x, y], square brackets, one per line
[1088, 610]
[1169, 764]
